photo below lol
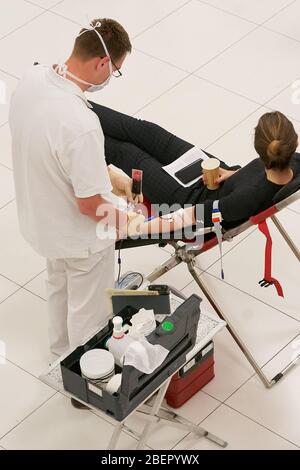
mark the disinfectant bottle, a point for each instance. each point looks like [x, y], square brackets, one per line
[119, 341]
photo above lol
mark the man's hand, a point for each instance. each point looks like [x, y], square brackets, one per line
[133, 228]
[223, 176]
[122, 186]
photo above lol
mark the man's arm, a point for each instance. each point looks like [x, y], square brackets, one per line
[100, 210]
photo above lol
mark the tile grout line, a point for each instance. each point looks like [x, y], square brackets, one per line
[229, 12]
[234, 127]
[162, 19]
[10, 295]
[30, 414]
[43, 11]
[11, 76]
[21, 287]
[279, 33]
[4, 123]
[6, 167]
[6, 204]
[43, 8]
[293, 210]
[277, 94]
[32, 279]
[189, 74]
[33, 293]
[224, 403]
[262, 425]
[192, 74]
[163, 61]
[278, 12]
[240, 95]
[244, 18]
[133, 37]
[65, 17]
[31, 375]
[159, 96]
[226, 49]
[256, 26]
[183, 70]
[198, 424]
[260, 105]
[280, 350]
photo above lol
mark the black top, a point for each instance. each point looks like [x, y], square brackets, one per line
[244, 194]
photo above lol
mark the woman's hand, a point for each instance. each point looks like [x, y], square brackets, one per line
[223, 176]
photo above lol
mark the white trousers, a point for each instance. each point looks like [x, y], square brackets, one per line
[77, 302]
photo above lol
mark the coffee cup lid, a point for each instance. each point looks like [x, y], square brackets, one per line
[210, 164]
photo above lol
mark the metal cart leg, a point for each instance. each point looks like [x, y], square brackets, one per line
[157, 403]
[115, 437]
[174, 420]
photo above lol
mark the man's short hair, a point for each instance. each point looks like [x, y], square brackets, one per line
[88, 45]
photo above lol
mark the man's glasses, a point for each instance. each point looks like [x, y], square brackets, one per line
[117, 72]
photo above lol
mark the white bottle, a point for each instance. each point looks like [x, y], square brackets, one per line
[119, 342]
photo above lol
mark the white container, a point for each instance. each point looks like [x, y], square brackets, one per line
[118, 347]
[119, 342]
[114, 384]
[98, 366]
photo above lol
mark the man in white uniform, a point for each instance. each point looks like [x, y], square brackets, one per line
[61, 179]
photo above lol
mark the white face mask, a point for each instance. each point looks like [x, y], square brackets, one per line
[63, 69]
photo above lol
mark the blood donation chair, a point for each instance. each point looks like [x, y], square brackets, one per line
[188, 251]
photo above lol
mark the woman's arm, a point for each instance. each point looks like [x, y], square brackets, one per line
[165, 224]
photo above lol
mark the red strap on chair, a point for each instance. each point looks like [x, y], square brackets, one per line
[260, 221]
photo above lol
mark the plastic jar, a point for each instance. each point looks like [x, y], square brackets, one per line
[97, 366]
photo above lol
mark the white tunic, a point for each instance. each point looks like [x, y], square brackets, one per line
[58, 153]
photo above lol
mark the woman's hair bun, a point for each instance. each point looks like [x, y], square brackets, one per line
[274, 148]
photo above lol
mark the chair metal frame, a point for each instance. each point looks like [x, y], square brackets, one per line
[187, 254]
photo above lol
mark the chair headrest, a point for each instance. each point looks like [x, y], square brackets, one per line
[287, 190]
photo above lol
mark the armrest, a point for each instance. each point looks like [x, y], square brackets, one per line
[190, 235]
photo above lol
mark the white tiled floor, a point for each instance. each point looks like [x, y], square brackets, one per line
[258, 12]
[17, 12]
[236, 433]
[192, 101]
[251, 75]
[124, 96]
[286, 22]
[5, 151]
[206, 70]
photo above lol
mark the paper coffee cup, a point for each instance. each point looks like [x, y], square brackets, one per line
[210, 168]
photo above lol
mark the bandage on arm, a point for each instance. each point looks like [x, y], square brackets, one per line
[180, 219]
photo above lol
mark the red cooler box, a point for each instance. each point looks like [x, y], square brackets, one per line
[191, 377]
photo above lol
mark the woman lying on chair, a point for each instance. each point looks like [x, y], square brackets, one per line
[133, 143]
